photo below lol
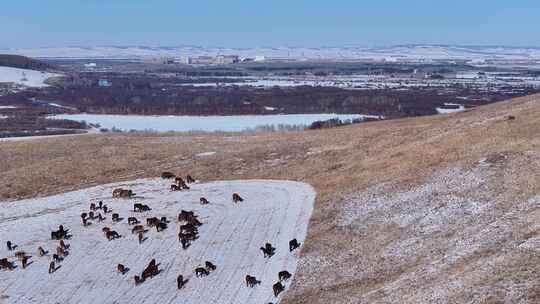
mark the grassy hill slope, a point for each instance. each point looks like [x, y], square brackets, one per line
[438, 209]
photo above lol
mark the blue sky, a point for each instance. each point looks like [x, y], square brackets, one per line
[33, 23]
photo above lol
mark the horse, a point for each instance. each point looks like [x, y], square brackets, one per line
[293, 244]
[251, 281]
[24, 261]
[185, 243]
[111, 235]
[140, 237]
[277, 288]
[137, 207]
[150, 271]
[52, 267]
[9, 246]
[5, 264]
[59, 234]
[121, 268]
[268, 250]
[284, 275]
[186, 215]
[201, 272]
[137, 229]
[161, 226]
[237, 198]
[115, 217]
[204, 201]
[117, 192]
[189, 179]
[180, 281]
[152, 221]
[132, 220]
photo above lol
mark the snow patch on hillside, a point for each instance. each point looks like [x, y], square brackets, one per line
[273, 211]
[29, 78]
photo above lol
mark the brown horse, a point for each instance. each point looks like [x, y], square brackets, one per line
[277, 288]
[237, 198]
[111, 235]
[152, 221]
[137, 229]
[5, 264]
[121, 268]
[251, 281]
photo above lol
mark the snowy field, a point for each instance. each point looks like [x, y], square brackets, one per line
[390, 53]
[233, 123]
[29, 78]
[273, 211]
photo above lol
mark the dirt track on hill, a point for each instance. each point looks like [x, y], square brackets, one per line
[478, 157]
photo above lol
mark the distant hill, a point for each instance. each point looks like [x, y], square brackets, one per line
[22, 62]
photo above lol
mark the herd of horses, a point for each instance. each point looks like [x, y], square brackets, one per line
[188, 232]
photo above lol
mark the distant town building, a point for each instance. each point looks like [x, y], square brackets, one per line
[227, 59]
[160, 60]
[259, 58]
[209, 60]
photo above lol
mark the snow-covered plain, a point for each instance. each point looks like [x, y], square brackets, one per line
[29, 78]
[477, 54]
[273, 211]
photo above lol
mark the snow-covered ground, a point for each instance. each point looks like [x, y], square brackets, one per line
[273, 211]
[29, 78]
[426, 53]
[460, 108]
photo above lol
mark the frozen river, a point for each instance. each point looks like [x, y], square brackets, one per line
[201, 123]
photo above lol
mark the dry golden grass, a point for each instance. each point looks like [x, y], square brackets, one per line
[337, 162]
